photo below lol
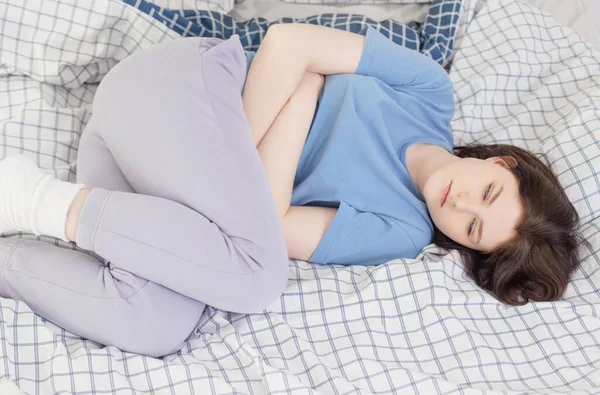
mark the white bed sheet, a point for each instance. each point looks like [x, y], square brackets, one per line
[580, 15]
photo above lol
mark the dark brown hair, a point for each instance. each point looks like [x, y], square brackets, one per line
[538, 262]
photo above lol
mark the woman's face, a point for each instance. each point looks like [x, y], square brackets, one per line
[482, 207]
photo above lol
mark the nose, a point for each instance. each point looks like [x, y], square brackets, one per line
[467, 204]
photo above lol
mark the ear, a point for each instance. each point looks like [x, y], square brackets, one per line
[508, 162]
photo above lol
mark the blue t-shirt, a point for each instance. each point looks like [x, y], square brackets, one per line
[354, 157]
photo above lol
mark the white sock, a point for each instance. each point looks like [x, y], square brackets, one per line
[32, 200]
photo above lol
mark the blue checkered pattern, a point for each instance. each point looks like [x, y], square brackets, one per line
[434, 36]
[410, 326]
[223, 6]
[349, 2]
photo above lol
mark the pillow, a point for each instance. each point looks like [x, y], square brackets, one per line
[223, 6]
[434, 36]
[346, 2]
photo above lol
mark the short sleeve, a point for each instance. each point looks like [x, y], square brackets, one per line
[363, 238]
[399, 66]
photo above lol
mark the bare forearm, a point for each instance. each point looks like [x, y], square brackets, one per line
[280, 124]
[280, 152]
[281, 148]
[286, 53]
[272, 79]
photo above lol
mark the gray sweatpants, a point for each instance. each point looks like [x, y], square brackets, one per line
[181, 207]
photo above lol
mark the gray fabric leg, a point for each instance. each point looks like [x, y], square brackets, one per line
[180, 199]
[102, 303]
[173, 245]
[166, 117]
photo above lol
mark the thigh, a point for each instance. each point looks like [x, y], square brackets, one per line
[173, 119]
[96, 167]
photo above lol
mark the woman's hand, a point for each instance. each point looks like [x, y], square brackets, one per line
[280, 152]
[282, 145]
[287, 52]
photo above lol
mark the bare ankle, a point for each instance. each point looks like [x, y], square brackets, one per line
[75, 212]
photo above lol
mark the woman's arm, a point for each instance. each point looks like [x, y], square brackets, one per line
[282, 145]
[279, 100]
[287, 52]
[280, 151]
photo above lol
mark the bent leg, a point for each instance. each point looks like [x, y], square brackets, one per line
[171, 244]
[192, 146]
[173, 120]
[166, 242]
[102, 303]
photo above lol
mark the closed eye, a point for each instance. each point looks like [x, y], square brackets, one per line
[487, 192]
[491, 201]
[471, 227]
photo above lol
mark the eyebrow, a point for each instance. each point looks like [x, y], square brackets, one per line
[492, 200]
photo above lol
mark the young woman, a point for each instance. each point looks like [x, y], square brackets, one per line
[193, 205]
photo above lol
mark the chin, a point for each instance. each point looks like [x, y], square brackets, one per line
[426, 194]
[433, 219]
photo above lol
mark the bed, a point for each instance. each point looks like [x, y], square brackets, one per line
[521, 76]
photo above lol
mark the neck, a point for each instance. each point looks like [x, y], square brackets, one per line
[423, 160]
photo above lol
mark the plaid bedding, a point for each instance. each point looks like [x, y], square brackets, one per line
[409, 326]
[347, 2]
[434, 36]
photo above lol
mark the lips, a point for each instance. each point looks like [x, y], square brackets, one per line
[445, 193]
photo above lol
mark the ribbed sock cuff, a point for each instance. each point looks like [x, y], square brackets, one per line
[50, 205]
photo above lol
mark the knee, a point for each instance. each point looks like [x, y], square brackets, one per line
[272, 280]
[154, 342]
[266, 284]
[157, 339]
[272, 284]
[160, 328]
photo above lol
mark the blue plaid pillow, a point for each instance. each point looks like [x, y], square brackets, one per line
[434, 36]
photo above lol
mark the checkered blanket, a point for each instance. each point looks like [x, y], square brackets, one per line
[409, 326]
[434, 36]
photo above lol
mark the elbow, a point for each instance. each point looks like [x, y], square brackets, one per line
[275, 31]
[273, 37]
[285, 41]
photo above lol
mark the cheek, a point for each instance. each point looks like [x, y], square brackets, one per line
[450, 225]
[442, 221]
